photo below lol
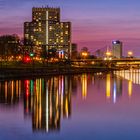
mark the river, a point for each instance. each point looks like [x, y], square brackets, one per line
[77, 107]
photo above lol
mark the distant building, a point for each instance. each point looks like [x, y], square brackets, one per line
[47, 31]
[9, 46]
[99, 53]
[84, 53]
[74, 52]
[117, 49]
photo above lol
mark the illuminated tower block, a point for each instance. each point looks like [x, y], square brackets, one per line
[47, 31]
[117, 49]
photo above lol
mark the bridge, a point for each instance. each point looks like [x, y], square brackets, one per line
[120, 63]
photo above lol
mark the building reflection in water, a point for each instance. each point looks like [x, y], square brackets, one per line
[48, 101]
[130, 87]
[116, 92]
[133, 76]
[84, 86]
[10, 91]
[108, 85]
[117, 88]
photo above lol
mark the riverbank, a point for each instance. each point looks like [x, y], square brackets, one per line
[29, 72]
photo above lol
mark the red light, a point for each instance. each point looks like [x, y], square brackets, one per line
[27, 87]
[27, 59]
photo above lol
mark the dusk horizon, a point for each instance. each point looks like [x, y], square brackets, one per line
[69, 69]
[94, 23]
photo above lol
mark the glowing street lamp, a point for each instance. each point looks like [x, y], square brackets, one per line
[84, 54]
[108, 56]
[130, 53]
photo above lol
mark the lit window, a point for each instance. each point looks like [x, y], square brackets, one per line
[39, 24]
[66, 32]
[62, 41]
[50, 28]
[32, 37]
[40, 29]
[57, 40]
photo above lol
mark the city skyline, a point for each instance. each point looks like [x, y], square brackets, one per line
[99, 24]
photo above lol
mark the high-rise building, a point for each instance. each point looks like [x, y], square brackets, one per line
[117, 49]
[46, 30]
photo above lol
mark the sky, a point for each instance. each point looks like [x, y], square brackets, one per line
[95, 23]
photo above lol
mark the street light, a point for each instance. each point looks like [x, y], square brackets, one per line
[84, 54]
[108, 55]
[130, 54]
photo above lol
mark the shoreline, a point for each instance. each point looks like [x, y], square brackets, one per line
[9, 73]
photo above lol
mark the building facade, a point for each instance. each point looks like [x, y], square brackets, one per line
[9, 47]
[74, 51]
[117, 49]
[46, 30]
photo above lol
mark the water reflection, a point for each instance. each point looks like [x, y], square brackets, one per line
[108, 85]
[130, 88]
[10, 92]
[48, 100]
[113, 87]
[84, 86]
[132, 76]
[117, 88]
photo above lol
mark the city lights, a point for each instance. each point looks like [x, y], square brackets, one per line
[26, 59]
[70, 70]
[84, 54]
[130, 54]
